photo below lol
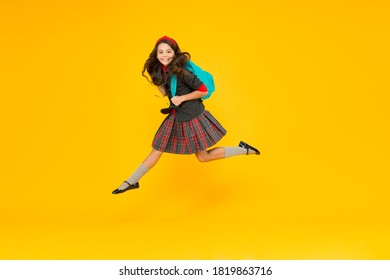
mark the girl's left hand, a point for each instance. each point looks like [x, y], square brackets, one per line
[177, 100]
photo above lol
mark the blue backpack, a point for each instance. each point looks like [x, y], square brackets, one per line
[204, 76]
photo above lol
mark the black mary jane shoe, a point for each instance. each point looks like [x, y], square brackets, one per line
[248, 147]
[129, 187]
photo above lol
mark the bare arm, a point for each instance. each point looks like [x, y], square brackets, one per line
[162, 90]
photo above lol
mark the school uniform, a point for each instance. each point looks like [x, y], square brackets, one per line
[189, 128]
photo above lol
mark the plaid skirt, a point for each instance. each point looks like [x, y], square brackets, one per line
[188, 137]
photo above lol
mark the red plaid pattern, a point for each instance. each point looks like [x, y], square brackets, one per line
[188, 137]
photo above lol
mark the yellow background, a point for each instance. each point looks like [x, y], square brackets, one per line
[304, 81]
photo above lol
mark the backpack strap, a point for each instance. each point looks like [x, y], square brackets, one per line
[173, 85]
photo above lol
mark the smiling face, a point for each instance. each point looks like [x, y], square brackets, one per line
[165, 54]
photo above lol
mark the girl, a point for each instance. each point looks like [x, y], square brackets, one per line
[189, 128]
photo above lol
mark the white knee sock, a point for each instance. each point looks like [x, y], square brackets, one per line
[135, 177]
[235, 151]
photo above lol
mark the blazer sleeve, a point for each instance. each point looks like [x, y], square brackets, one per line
[192, 81]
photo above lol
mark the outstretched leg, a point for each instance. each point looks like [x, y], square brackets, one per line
[225, 152]
[132, 181]
[209, 155]
[152, 158]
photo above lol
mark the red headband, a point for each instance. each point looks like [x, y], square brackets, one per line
[166, 38]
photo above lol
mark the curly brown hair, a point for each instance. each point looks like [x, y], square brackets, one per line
[153, 66]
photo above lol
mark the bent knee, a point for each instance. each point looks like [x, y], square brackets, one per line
[201, 158]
